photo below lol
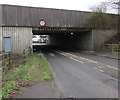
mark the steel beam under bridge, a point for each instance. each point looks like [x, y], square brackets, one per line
[59, 30]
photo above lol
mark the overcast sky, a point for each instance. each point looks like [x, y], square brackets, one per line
[81, 5]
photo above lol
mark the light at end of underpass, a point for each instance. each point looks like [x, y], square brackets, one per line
[71, 33]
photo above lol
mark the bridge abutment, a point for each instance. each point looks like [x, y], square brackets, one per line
[20, 38]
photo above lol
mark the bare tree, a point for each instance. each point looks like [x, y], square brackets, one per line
[114, 5]
[101, 8]
[99, 19]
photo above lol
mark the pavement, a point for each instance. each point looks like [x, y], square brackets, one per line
[103, 54]
[41, 90]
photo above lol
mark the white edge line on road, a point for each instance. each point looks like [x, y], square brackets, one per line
[112, 67]
[99, 69]
[76, 60]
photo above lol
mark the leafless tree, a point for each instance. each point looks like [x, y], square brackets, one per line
[101, 8]
[114, 4]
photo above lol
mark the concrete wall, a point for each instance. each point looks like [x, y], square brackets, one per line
[0, 39]
[81, 41]
[30, 16]
[0, 15]
[101, 36]
[21, 38]
[85, 42]
[0, 28]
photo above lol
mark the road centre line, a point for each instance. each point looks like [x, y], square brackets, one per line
[99, 69]
[76, 60]
[89, 60]
[63, 54]
[51, 54]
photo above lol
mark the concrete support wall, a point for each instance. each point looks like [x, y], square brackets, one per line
[0, 39]
[84, 41]
[0, 15]
[21, 38]
[81, 41]
[101, 36]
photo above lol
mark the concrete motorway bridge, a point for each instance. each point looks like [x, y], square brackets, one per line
[64, 27]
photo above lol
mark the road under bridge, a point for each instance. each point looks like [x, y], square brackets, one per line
[67, 37]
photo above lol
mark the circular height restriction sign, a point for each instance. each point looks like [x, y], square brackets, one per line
[42, 22]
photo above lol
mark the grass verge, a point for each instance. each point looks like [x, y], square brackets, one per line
[115, 52]
[46, 72]
[34, 70]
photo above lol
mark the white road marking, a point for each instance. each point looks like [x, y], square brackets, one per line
[76, 60]
[52, 54]
[99, 66]
[63, 54]
[112, 67]
[96, 68]
[90, 61]
[99, 69]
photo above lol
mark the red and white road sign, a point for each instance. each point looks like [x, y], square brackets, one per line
[42, 23]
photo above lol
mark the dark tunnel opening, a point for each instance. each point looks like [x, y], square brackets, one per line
[66, 40]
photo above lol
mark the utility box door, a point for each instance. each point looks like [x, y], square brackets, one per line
[7, 44]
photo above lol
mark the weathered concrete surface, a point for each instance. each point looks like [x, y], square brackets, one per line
[101, 36]
[21, 38]
[0, 15]
[41, 90]
[30, 16]
[82, 41]
[0, 28]
[0, 39]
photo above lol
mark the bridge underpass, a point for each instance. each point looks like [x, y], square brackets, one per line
[67, 37]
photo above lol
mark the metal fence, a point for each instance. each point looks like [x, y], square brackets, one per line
[111, 47]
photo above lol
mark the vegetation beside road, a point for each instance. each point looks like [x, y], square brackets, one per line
[47, 75]
[34, 70]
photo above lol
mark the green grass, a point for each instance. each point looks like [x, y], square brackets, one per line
[115, 52]
[46, 72]
[27, 72]
[9, 86]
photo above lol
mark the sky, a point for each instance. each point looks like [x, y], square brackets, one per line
[80, 5]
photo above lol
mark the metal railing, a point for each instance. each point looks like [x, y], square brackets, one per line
[111, 47]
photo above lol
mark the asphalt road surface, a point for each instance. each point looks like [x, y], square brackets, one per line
[75, 78]
[104, 60]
